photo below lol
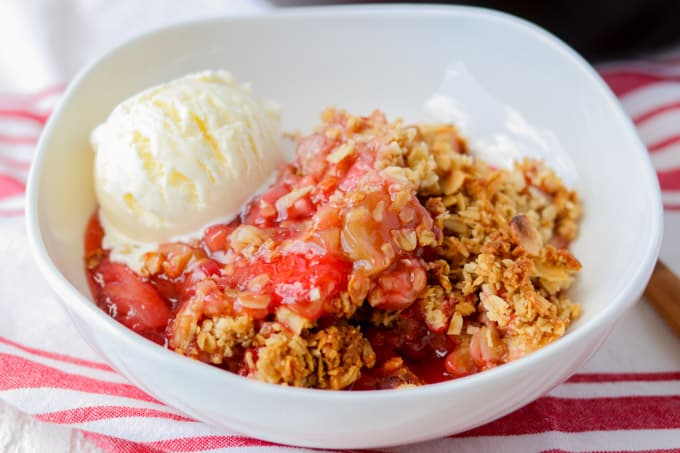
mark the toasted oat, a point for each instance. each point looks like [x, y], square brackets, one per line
[283, 358]
[219, 337]
[246, 238]
[456, 324]
[340, 352]
[331, 358]
[341, 153]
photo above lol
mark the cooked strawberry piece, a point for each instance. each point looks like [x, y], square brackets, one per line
[262, 212]
[209, 267]
[185, 286]
[94, 233]
[213, 300]
[215, 237]
[305, 282]
[134, 302]
[398, 287]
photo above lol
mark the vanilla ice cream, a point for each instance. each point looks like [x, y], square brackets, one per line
[178, 157]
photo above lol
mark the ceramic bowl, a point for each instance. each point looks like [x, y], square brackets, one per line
[360, 58]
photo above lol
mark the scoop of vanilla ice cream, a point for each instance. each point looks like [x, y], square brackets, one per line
[180, 156]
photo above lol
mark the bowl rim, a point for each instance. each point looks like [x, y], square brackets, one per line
[77, 302]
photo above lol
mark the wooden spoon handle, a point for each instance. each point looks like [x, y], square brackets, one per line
[663, 292]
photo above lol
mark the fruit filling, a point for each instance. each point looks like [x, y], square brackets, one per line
[383, 256]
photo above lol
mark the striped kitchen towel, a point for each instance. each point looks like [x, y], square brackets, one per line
[650, 92]
[627, 398]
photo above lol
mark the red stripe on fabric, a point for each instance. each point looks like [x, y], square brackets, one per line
[24, 115]
[94, 413]
[10, 186]
[116, 445]
[671, 207]
[625, 82]
[371, 450]
[180, 444]
[208, 443]
[112, 444]
[669, 180]
[18, 139]
[655, 111]
[32, 98]
[591, 414]
[624, 377]
[664, 143]
[558, 450]
[11, 212]
[56, 356]
[19, 373]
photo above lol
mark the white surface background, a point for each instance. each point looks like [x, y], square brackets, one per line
[21, 433]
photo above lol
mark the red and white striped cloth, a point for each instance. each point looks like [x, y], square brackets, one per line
[627, 398]
[650, 92]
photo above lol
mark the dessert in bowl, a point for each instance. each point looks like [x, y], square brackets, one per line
[382, 256]
[588, 123]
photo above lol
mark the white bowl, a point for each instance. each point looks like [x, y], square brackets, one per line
[360, 58]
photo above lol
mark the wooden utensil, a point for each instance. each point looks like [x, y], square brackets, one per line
[663, 292]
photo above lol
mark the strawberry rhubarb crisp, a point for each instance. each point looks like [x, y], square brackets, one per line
[384, 256]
